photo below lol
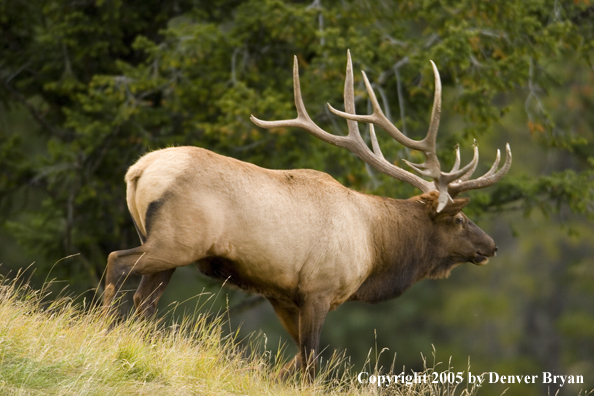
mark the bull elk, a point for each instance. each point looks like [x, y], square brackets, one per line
[298, 237]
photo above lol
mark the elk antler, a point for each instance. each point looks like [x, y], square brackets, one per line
[448, 184]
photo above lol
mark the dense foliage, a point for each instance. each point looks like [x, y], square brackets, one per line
[89, 86]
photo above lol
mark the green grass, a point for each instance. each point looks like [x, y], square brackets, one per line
[60, 348]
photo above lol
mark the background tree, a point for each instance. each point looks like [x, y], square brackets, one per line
[88, 87]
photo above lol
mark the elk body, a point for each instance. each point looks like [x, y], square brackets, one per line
[298, 237]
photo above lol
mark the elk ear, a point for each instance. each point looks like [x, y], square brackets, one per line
[452, 208]
[456, 207]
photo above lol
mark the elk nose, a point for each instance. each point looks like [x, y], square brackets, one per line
[495, 251]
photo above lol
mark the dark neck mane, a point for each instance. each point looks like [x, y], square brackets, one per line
[401, 247]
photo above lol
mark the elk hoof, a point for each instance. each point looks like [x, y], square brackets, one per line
[289, 370]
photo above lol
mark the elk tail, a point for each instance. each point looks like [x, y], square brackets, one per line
[132, 181]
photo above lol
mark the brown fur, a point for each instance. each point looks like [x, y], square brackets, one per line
[298, 237]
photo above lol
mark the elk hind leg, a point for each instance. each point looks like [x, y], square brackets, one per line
[123, 263]
[149, 292]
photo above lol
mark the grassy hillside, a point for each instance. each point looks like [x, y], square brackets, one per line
[58, 348]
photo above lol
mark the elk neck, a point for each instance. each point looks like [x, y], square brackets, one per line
[403, 245]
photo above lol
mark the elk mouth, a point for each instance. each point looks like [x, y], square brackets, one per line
[481, 259]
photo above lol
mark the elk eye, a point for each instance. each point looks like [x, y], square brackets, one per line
[459, 220]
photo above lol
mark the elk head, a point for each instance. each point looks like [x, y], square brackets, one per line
[455, 238]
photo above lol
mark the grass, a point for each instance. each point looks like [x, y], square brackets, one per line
[59, 347]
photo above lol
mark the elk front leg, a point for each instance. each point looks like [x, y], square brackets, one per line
[311, 319]
[149, 292]
[289, 318]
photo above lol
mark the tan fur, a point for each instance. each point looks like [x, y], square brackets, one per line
[224, 207]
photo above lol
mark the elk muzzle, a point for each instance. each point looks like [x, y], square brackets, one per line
[482, 257]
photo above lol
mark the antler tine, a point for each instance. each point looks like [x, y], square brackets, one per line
[455, 174]
[349, 99]
[303, 120]
[471, 167]
[374, 143]
[457, 162]
[495, 164]
[486, 180]
[436, 111]
[464, 172]
[468, 174]
[378, 118]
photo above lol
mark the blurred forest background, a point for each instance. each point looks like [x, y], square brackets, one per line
[88, 86]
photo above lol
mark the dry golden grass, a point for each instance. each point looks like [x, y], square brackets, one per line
[59, 348]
